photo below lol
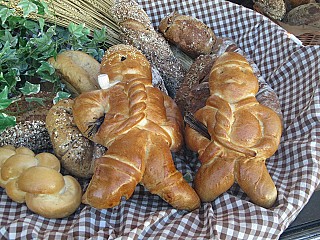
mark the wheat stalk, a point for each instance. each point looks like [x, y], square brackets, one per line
[95, 14]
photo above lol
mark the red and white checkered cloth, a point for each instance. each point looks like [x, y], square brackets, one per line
[292, 71]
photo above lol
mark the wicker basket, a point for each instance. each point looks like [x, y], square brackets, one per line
[310, 38]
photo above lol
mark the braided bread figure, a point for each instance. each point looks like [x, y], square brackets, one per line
[139, 125]
[243, 134]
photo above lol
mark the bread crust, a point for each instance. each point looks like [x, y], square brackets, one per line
[138, 31]
[78, 70]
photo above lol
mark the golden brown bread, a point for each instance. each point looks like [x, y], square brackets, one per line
[78, 70]
[243, 134]
[188, 33]
[76, 152]
[139, 125]
[36, 180]
[194, 89]
[50, 194]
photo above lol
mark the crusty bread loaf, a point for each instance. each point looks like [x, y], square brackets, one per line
[243, 134]
[139, 125]
[188, 33]
[76, 152]
[274, 9]
[36, 181]
[194, 89]
[304, 15]
[290, 4]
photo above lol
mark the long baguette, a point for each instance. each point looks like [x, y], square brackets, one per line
[138, 31]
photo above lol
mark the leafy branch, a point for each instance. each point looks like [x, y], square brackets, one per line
[25, 45]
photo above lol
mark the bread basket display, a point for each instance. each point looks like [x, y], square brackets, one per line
[163, 195]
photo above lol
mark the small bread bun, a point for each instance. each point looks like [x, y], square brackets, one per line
[56, 197]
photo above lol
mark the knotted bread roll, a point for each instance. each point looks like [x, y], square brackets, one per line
[243, 134]
[35, 180]
[139, 125]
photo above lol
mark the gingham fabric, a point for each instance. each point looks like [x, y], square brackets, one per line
[292, 71]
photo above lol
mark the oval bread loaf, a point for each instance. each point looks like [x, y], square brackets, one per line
[307, 14]
[78, 70]
[188, 33]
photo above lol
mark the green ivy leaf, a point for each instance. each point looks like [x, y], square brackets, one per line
[76, 29]
[31, 26]
[42, 7]
[35, 99]
[11, 78]
[30, 88]
[7, 37]
[46, 68]
[27, 7]
[60, 95]
[14, 22]
[4, 101]
[6, 121]
[41, 44]
[100, 35]
[41, 24]
[4, 93]
[5, 13]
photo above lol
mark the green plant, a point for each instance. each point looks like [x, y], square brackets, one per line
[25, 46]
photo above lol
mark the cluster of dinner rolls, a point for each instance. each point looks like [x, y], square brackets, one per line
[35, 179]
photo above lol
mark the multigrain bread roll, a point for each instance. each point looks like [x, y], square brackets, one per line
[188, 33]
[139, 125]
[290, 4]
[243, 134]
[137, 30]
[30, 128]
[274, 9]
[306, 14]
[36, 180]
[76, 152]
